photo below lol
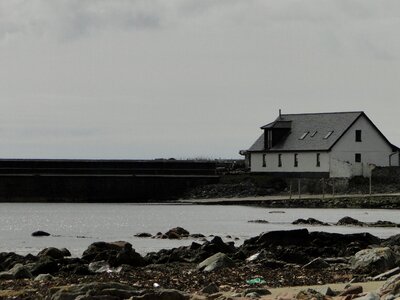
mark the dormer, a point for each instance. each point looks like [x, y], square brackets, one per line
[275, 131]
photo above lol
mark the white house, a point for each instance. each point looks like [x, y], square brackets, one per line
[339, 144]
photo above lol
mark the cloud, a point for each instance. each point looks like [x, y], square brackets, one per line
[76, 18]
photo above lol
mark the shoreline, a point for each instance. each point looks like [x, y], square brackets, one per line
[270, 264]
[377, 201]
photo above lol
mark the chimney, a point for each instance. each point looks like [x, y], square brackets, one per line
[280, 114]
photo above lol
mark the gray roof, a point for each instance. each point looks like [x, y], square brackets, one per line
[321, 123]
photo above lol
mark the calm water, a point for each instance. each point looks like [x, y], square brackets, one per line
[75, 226]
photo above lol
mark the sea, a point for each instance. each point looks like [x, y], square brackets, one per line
[76, 225]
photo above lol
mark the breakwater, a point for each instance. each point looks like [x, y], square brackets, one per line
[101, 180]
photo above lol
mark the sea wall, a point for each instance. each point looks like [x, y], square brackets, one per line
[101, 180]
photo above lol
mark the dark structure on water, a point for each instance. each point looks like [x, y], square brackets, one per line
[62, 180]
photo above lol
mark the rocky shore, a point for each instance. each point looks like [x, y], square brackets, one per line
[212, 269]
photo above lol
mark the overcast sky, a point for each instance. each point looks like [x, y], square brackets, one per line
[187, 78]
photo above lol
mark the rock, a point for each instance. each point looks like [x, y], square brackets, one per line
[374, 261]
[44, 277]
[387, 274]
[162, 294]
[383, 224]
[65, 252]
[284, 237]
[317, 263]
[352, 290]
[309, 294]
[109, 290]
[325, 290]
[197, 235]
[210, 289]
[52, 252]
[391, 286]
[116, 254]
[99, 266]
[177, 232]
[368, 296]
[252, 295]
[350, 221]
[45, 265]
[309, 221]
[258, 256]
[215, 262]
[40, 233]
[143, 235]
[258, 221]
[6, 276]
[20, 272]
[259, 291]
[394, 240]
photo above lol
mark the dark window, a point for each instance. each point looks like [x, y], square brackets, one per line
[296, 162]
[279, 160]
[318, 160]
[264, 162]
[358, 157]
[358, 135]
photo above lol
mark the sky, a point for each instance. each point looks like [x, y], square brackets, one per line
[144, 79]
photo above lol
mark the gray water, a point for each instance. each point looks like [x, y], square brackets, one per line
[76, 226]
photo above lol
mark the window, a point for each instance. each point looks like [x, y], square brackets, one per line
[264, 162]
[313, 134]
[318, 160]
[303, 136]
[358, 157]
[279, 160]
[358, 135]
[296, 162]
[328, 135]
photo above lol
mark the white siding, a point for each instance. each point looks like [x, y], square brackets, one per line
[307, 162]
[373, 149]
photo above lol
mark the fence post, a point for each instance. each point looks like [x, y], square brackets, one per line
[290, 189]
[299, 188]
[333, 188]
[323, 188]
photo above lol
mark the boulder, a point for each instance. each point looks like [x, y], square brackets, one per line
[52, 252]
[349, 221]
[40, 233]
[116, 254]
[109, 290]
[309, 221]
[143, 235]
[19, 271]
[65, 252]
[310, 294]
[391, 288]
[374, 261]
[215, 262]
[284, 237]
[45, 265]
[352, 290]
[217, 245]
[44, 277]
[177, 233]
[210, 289]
